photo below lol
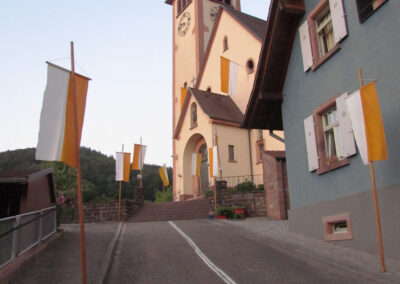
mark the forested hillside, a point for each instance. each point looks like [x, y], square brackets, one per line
[98, 173]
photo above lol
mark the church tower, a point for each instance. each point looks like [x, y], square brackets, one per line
[192, 24]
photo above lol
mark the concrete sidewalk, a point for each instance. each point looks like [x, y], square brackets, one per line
[60, 262]
[360, 260]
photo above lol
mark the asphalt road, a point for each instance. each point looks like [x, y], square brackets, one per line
[204, 251]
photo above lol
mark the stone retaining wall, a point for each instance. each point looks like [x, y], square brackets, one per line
[254, 202]
[104, 211]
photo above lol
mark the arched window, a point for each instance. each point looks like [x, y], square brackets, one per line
[193, 115]
[226, 43]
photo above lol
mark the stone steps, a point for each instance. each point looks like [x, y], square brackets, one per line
[167, 211]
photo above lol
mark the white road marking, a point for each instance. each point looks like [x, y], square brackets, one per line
[206, 260]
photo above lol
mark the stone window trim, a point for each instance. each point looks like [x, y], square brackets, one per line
[329, 221]
[325, 164]
[312, 17]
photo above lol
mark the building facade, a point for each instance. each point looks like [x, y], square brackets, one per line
[330, 187]
[203, 32]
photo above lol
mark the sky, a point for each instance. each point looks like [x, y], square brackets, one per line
[124, 46]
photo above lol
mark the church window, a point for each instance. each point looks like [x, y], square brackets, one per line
[182, 4]
[226, 47]
[193, 115]
[231, 152]
[250, 66]
[179, 6]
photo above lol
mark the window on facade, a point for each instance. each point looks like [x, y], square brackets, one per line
[330, 128]
[250, 66]
[226, 47]
[322, 32]
[367, 7]
[337, 227]
[182, 5]
[193, 115]
[231, 152]
[329, 136]
[208, 89]
[259, 150]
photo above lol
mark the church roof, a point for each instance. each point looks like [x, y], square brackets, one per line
[255, 25]
[218, 106]
[215, 106]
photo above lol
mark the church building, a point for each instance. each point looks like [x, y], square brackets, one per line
[216, 50]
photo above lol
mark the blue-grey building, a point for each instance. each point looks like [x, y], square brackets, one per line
[309, 66]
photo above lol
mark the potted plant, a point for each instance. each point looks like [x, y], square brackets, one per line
[224, 212]
[239, 211]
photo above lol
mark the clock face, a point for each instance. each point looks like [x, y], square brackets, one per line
[184, 24]
[214, 13]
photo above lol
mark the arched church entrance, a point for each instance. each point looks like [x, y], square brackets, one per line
[203, 179]
[195, 185]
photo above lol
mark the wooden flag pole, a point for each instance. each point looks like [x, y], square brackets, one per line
[119, 201]
[120, 191]
[141, 160]
[378, 219]
[78, 169]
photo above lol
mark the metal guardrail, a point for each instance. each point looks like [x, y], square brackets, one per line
[234, 181]
[20, 233]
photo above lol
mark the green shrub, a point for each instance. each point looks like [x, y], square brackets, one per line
[260, 187]
[89, 195]
[225, 211]
[168, 195]
[209, 193]
[246, 186]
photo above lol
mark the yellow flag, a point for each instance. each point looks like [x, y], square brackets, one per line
[164, 175]
[183, 96]
[224, 75]
[58, 122]
[375, 133]
[367, 124]
[211, 161]
[139, 152]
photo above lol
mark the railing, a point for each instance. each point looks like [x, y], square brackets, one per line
[233, 182]
[22, 232]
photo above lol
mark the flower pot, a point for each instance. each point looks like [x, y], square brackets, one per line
[239, 211]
